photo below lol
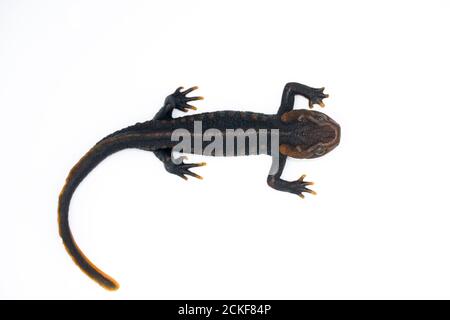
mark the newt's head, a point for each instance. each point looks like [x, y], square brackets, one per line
[311, 134]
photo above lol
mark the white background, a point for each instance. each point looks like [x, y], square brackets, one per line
[72, 72]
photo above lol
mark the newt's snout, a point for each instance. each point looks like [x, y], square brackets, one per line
[326, 137]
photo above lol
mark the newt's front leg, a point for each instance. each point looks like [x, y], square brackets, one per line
[297, 187]
[291, 89]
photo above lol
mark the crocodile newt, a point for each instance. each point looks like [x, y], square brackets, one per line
[300, 134]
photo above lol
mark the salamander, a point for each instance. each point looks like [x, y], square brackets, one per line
[292, 133]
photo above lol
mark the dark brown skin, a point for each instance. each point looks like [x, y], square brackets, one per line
[303, 134]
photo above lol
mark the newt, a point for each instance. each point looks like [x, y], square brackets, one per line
[301, 134]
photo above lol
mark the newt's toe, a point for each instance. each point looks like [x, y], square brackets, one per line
[310, 191]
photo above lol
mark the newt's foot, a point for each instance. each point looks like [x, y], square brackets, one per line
[300, 186]
[179, 101]
[182, 169]
[316, 96]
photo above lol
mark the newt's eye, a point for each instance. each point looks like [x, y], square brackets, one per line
[320, 150]
[321, 118]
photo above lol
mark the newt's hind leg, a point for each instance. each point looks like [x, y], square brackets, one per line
[179, 101]
[177, 166]
[291, 89]
[297, 187]
[176, 100]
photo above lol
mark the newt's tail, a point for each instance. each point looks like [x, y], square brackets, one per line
[97, 154]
